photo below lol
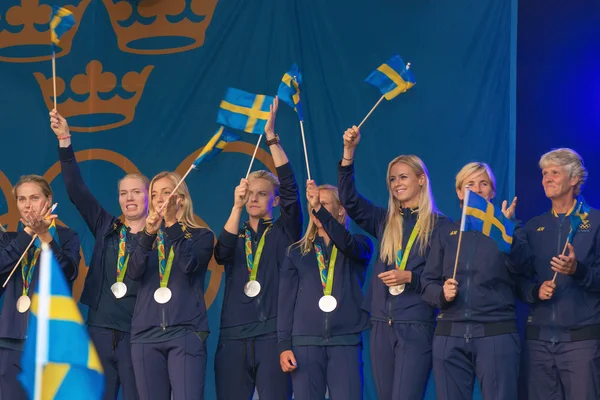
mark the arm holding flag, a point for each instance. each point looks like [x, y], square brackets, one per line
[290, 217]
[356, 247]
[436, 290]
[585, 273]
[95, 216]
[368, 216]
[225, 247]
[193, 249]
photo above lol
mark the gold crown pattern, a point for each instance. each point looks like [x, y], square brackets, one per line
[29, 14]
[95, 81]
[152, 19]
[11, 218]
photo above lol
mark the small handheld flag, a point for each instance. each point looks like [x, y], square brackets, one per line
[391, 78]
[61, 20]
[215, 145]
[244, 111]
[481, 215]
[579, 215]
[289, 93]
[289, 90]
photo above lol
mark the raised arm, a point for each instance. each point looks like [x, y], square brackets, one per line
[368, 216]
[94, 215]
[225, 247]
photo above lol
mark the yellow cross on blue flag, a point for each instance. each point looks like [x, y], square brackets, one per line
[52, 231]
[61, 20]
[481, 215]
[244, 111]
[289, 90]
[582, 210]
[392, 78]
[59, 361]
[215, 145]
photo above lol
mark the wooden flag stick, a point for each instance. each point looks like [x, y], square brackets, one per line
[28, 246]
[371, 112]
[19, 262]
[457, 253]
[176, 187]
[304, 143]
[563, 253]
[54, 75]
[254, 155]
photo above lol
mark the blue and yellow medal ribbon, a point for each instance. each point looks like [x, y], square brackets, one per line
[326, 274]
[253, 260]
[27, 270]
[121, 260]
[402, 256]
[164, 266]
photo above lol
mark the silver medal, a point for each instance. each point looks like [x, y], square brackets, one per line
[252, 288]
[162, 295]
[327, 303]
[119, 289]
[23, 304]
[396, 290]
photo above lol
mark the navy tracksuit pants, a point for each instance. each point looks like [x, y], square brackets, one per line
[114, 351]
[401, 359]
[564, 370]
[177, 365]
[338, 368]
[10, 368]
[494, 360]
[244, 364]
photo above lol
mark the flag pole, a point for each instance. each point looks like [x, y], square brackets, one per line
[371, 112]
[305, 152]
[462, 228]
[54, 73]
[175, 189]
[254, 155]
[563, 253]
[20, 259]
[43, 313]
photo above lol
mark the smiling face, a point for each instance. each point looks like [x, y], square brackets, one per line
[133, 198]
[557, 183]
[405, 184]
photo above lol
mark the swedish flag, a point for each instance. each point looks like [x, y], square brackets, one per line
[244, 111]
[59, 359]
[392, 78]
[581, 212]
[215, 145]
[61, 20]
[480, 215]
[289, 90]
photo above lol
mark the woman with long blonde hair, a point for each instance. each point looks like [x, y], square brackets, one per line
[170, 324]
[401, 322]
[319, 326]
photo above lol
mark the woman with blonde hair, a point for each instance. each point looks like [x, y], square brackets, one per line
[476, 333]
[401, 322]
[108, 292]
[170, 324]
[33, 196]
[320, 319]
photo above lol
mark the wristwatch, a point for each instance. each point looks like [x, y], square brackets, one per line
[273, 141]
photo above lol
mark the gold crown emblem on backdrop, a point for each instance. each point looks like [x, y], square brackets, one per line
[24, 21]
[160, 26]
[93, 83]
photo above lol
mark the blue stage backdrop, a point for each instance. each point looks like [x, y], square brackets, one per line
[140, 83]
